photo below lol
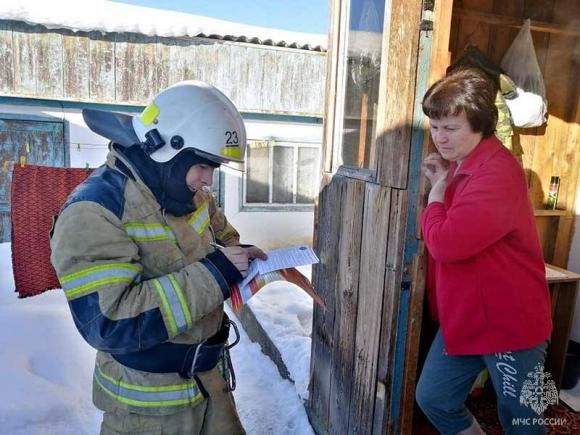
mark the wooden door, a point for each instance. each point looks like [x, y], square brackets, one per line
[365, 221]
[23, 141]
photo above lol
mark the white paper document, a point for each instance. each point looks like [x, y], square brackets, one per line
[287, 257]
[280, 259]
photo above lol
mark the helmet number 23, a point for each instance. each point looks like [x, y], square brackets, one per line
[232, 137]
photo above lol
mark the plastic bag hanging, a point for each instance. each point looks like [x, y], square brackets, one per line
[528, 109]
[521, 64]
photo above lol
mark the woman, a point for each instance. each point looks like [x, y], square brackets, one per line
[486, 273]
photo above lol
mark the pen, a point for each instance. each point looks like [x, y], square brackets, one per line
[216, 245]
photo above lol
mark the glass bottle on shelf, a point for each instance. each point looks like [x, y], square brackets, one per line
[553, 193]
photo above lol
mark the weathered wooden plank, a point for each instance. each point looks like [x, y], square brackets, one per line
[418, 274]
[370, 298]
[475, 32]
[571, 175]
[397, 89]
[391, 295]
[208, 56]
[5, 229]
[24, 37]
[501, 37]
[506, 21]
[534, 139]
[549, 155]
[565, 91]
[162, 64]
[304, 69]
[248, 65]
[432, 61]
[271, 91]
[440, 51]
[346, 300]
[239, 61]
[327, 223]
[76, 68]
[102, 72]
[563, 242]
[6, 57]
[180, 59]
[135, 69]
[312, 76]
[331, 85]
[49, 64]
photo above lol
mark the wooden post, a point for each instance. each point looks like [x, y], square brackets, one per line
[362, 137]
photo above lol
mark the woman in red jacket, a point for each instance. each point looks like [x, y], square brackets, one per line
[486, 273]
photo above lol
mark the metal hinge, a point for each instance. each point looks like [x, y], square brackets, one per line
[429, 5]
[426, 25]
[405, 286]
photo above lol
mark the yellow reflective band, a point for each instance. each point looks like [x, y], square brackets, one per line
[84, 272]
[140, 232]
[146, 388]
[99, 283]
[150, 113]
[148, 397]
[87, 280]
[182, 300]
[199, 220]
[232, 152]
[166, 308]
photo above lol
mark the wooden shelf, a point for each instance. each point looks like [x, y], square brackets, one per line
[541, 212]
[500, 20]
[556, 274]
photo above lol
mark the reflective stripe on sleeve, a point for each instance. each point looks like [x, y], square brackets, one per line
[86, 280]
[148, 232]
[148, 396]
[173, 304]
[199, 220]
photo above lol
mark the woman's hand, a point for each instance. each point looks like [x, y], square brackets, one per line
[435, 169]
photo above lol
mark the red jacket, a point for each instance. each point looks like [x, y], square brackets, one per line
[486, 270]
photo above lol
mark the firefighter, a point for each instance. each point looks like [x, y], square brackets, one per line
[146, 261]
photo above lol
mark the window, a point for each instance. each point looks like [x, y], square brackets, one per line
[281, 174]
[361, 82]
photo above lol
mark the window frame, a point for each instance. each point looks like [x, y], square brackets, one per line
[273, 206]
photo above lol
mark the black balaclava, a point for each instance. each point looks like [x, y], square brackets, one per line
[167, 180]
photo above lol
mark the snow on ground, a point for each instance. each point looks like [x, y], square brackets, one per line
[267, 404]
[285, 312]
[46, 369]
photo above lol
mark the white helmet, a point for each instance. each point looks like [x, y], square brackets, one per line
[187, 115]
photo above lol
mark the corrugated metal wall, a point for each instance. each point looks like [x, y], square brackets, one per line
[126, 68]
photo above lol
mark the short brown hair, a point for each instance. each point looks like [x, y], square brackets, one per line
[466, 90]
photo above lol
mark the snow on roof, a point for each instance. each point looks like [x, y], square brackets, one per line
[106, 17]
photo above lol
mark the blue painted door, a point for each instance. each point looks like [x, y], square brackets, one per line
[39, 142]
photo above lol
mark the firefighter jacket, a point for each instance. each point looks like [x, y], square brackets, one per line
[140, 286]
